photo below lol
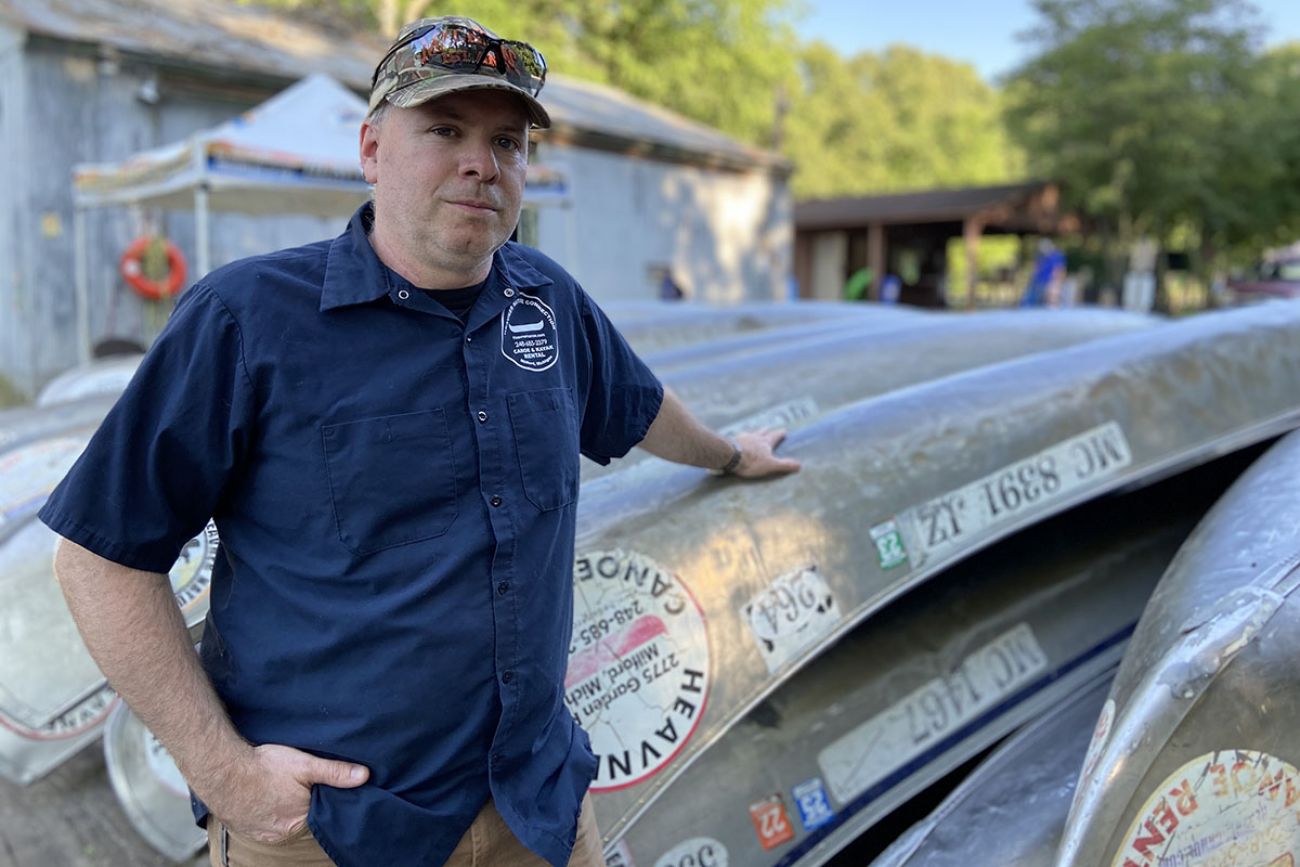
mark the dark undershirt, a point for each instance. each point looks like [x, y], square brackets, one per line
[458, 301]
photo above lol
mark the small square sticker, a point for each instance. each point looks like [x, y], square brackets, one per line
[771, 822]
[889, 544]
[814, 807]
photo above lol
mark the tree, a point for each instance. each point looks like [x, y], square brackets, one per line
[724, 63]
[1149, 111]
[898, 120]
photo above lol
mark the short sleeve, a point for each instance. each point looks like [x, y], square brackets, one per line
[624, 395]
[156, 469]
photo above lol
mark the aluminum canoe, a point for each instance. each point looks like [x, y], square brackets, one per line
[105, 377]
[731, 346]
[28, 754]
[790, 385]
[45, 669]
[681, 325]
[1198, 744]
[1011, 809]
[149, 787]
[24, 424]
[670, 573]
[934, 680]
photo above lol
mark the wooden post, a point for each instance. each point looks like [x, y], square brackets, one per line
[876, 257]
[971, 229]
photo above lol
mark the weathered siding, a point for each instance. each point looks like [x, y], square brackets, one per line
[725, 235]
[85, 109]
[15, 308]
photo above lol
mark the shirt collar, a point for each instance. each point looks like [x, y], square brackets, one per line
[354, 274]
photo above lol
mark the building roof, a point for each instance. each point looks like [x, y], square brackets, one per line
[925, 206]
[228, 40]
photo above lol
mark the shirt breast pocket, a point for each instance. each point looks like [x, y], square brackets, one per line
[392, 479]
[546, 439]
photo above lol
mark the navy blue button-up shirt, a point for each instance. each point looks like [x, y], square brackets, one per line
[395, 492]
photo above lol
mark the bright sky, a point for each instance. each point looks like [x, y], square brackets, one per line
[982, 33]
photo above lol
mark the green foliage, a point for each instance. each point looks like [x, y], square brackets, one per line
[10, 395]
[898, 120]
[1161, 115]
[722, 62]
[870, 123]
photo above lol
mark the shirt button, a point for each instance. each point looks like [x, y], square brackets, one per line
[403, 294]
[495, 501]
[507, 676]
[503, 588]
[482, 416]
[509, 293]
[469, 339]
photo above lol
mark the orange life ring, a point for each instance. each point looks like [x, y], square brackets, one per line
[132, 267]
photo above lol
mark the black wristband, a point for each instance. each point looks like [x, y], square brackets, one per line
[734, 461]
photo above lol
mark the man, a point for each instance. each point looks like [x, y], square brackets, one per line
[1044, 286]
[386, 428]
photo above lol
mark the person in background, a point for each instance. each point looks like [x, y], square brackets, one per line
[1048, 274]
[386, 429]
[859, 284]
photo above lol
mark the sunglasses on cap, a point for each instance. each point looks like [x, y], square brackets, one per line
[456, 47]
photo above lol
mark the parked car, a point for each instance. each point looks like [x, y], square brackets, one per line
[1276, 279]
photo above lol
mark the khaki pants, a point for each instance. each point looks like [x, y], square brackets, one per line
[487, 843]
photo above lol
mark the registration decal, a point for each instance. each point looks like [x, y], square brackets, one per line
[695, 852]
[949, 521]
[890, 549]
[814, 807]
[638, 676]
[889, 740]
[1233, 807]
[794, 613]
[771, 823]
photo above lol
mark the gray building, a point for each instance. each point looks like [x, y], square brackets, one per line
[621, 192]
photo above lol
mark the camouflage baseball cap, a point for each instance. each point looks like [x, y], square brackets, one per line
[432, 57]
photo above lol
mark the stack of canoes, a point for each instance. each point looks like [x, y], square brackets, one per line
[770, 670]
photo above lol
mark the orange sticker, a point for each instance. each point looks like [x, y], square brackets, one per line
[771, 822]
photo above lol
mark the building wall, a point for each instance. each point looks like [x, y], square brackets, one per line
[726, 236]
[15, 306]
[80, 108]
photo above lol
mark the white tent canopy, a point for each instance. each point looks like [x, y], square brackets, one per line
[295, 153]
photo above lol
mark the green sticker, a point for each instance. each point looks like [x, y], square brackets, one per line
[889, 544]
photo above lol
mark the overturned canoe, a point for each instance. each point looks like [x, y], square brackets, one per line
[106, 377]
[28, 754]
[684, 570]
[149, 786]
[1011, 809]
[25, 424]
[45, 669]
[710, 352]
[789, 386]
[1196, 755]
[911, 695]
[680, 325]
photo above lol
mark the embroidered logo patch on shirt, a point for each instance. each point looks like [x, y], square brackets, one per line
[528, 335]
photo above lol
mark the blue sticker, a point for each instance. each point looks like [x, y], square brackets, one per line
[814, 807]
